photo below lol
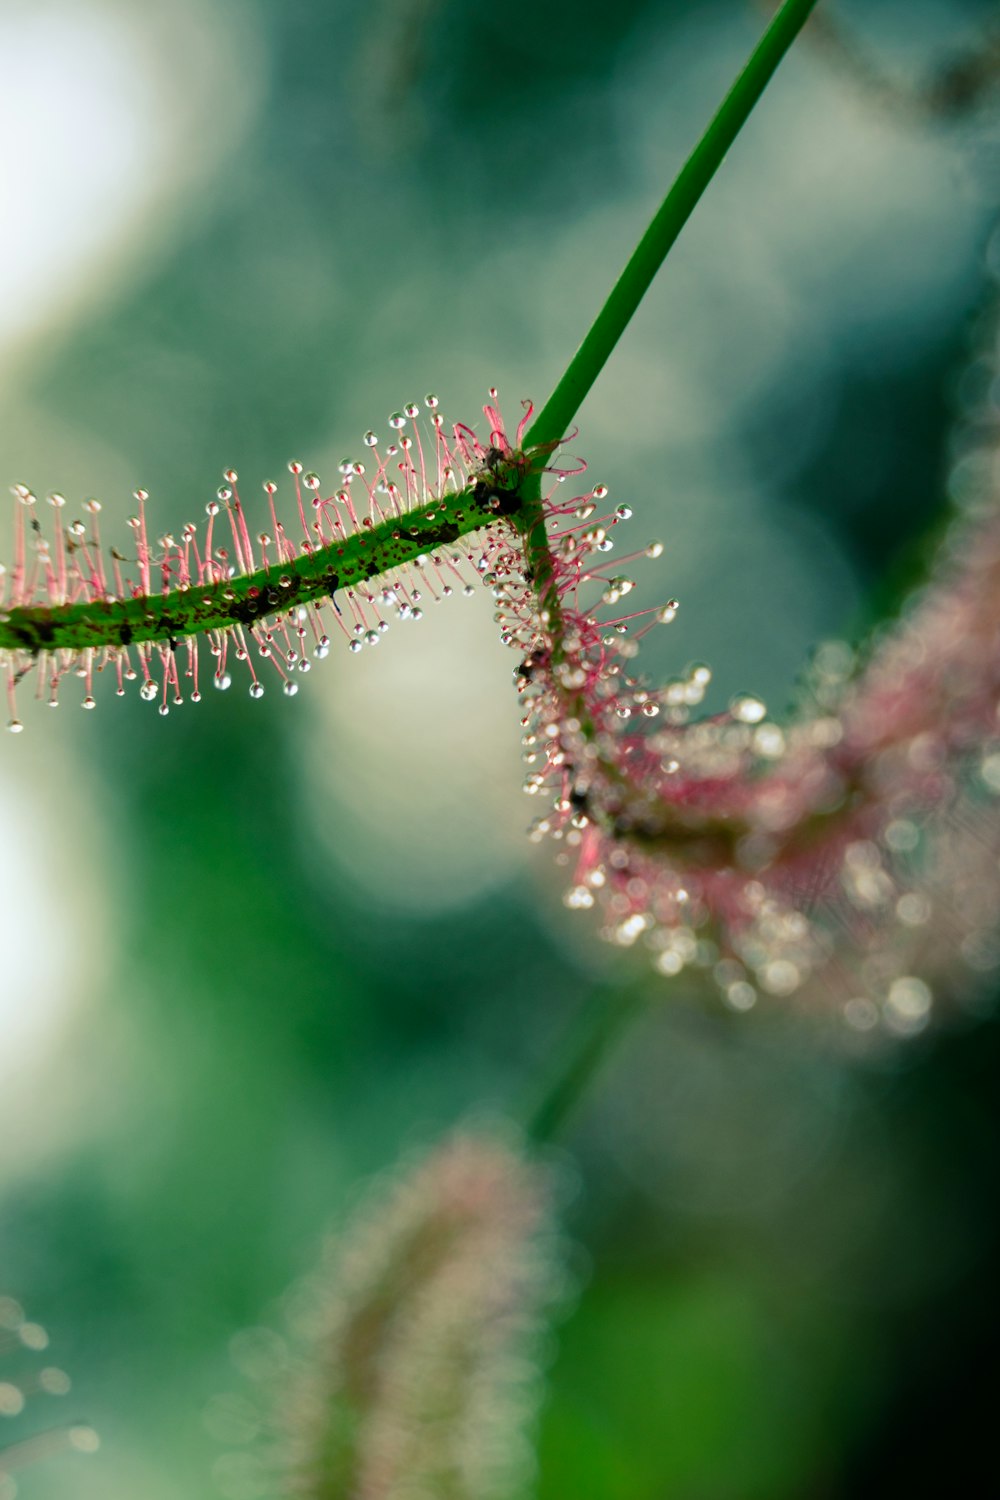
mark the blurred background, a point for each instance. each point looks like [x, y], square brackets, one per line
[253, 952]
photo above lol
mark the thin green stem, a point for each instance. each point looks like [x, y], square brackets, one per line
[603, 1021]
[554, 420]
[611, 1011]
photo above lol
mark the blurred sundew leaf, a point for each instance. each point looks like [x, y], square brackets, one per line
[412, 1363]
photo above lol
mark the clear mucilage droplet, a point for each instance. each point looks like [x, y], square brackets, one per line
[748, 709]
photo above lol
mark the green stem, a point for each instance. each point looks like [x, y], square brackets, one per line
[247, 598]
[603, 1021]
[611, 1011]
[554, 419]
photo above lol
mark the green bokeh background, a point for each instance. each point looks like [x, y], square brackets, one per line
[255, 951]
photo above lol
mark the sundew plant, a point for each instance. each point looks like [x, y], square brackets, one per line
[828, 863]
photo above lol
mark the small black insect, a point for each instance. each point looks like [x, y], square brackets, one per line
[530, 665]
[496, 485]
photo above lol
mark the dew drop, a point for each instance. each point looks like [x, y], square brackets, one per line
[431, 401]
[654, 549]
[781, 977]
[861, 1013]
[256, 690]
[53, 1381]
[222, 681]
[397, 420]
[148, 691]
[15, 726]
[989, 770]
[908, 1005]
[311, 481]
[371, 439]
[617, 589]
[914, 909]
[748, 709]
[902, 836]
[354, 646]
[769, 742]
[294, 467]
[11, 1405]
[741, 995]
[630, 928]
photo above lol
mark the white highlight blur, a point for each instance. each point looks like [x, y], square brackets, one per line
[95, 135]
[49, 934]
[418, 750]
